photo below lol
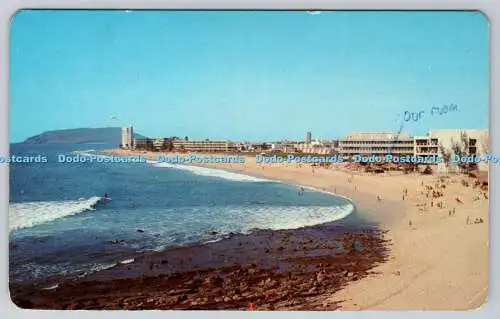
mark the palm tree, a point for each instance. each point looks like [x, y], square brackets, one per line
[460, 148]
[446, 154]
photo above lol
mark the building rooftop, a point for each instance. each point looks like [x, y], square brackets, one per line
[376, 136]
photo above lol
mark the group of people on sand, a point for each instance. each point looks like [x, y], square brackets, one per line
[434, 192]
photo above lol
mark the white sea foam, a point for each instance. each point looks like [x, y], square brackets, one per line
[54, 286]
[245, 219]
[24, 215]
[325, 192]
[100, 267]
[213, 172]
[127, 261]
[293, 217]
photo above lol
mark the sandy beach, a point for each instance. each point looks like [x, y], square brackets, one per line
[437, 257]
[439, 262]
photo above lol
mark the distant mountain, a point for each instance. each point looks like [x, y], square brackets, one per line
[107, 135]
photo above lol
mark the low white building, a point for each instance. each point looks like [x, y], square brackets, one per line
[476, 143]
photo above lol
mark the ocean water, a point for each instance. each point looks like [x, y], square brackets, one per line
[60, 225]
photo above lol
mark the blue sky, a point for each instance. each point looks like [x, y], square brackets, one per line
[247, 75]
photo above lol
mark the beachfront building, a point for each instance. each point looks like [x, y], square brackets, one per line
[426, 145]
[127, 138]
[207, 146]
[376, 143]
[315, 147]
[159, 143]
[308, 138]
[241, 147]
[143, 144]
[471, 141]
[276, 147]
[288, 147]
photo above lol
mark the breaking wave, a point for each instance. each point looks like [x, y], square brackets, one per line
[212, 172]
[29, 214]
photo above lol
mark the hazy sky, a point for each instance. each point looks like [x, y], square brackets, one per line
[246, 75]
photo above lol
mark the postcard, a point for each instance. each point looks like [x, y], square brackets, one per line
[249, 160]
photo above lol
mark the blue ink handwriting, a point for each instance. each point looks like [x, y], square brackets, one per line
[417, 116]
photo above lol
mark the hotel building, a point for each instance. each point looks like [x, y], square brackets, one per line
[402, 144]
[204, 146]
[143, 144]
[476, 143]
[376, 143]
[127, 140]
[315, 147]
[426, 145]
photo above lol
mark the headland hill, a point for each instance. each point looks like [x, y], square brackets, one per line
[102, 135]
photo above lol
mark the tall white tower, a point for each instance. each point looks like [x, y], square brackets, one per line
[308, 137]
[124, 140]
[127, 137]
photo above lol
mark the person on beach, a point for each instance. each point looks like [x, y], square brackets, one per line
[301, 191]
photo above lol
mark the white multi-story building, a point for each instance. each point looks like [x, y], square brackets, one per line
[204, 146]
[376, 143]
[314, 147]
[308, 138]
[475, 143]
[127, 139]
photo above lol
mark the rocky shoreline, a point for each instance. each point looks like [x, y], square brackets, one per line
[266, 270]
